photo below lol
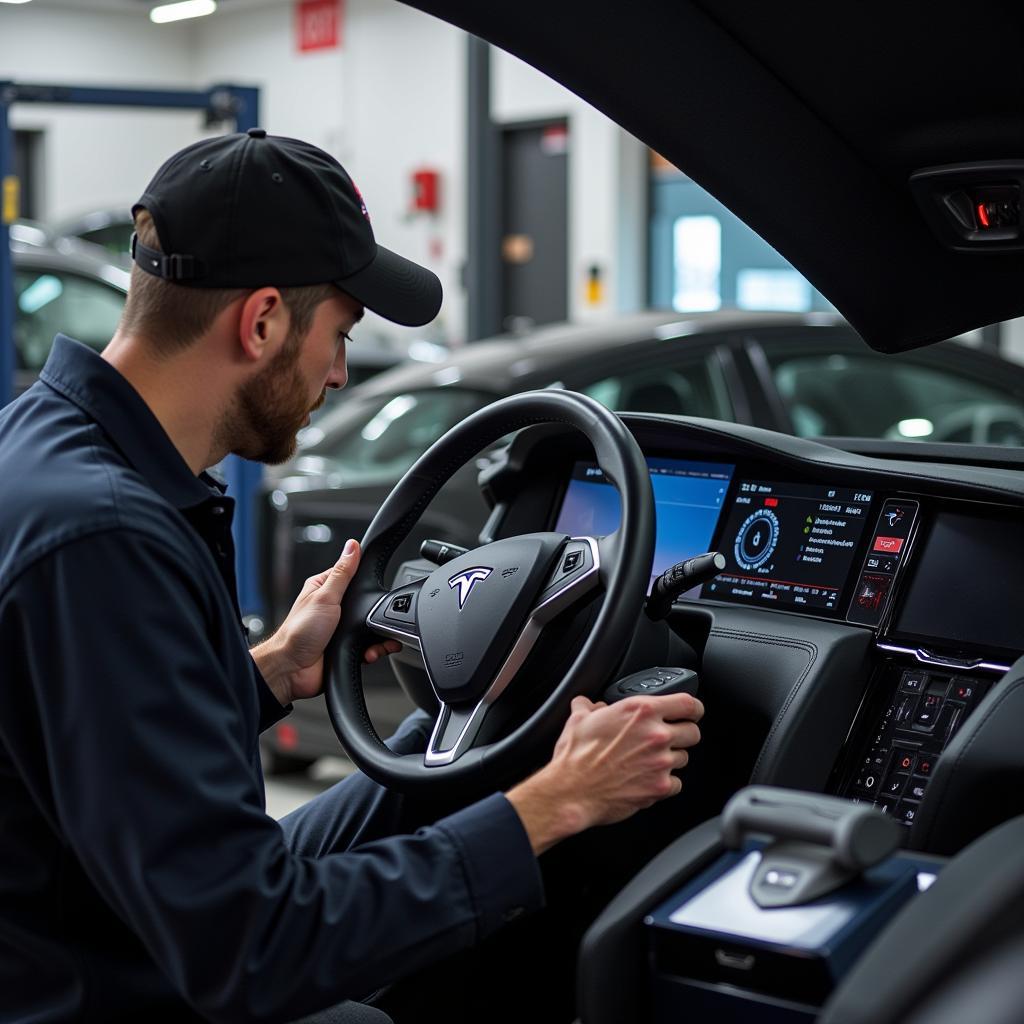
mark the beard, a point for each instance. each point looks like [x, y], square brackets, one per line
[270, 409]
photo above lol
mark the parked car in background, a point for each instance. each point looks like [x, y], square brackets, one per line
[805, 374]
[60, 285]
[75, 286]
[110, 229]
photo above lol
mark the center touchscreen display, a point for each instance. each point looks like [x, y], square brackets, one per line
[789, 545]
[688, 499]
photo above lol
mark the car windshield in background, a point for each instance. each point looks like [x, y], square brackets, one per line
[51, 300]
[384, 436]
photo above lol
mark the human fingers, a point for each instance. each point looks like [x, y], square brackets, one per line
[683, 735]
[340, 574]
[675, 707]
[312, 584]
[583, 704]
[378, 651]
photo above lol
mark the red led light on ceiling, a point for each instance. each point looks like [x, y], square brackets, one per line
[983, 215]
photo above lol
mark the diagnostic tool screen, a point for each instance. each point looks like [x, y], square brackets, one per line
[688, 499]
[789, 545]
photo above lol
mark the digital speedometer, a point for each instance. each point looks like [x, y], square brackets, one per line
[756, 539]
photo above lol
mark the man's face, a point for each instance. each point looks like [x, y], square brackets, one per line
[275, 404]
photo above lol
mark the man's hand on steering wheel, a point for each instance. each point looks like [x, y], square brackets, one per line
[292, 660]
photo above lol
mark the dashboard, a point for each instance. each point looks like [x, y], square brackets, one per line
[920, 563]
[821, 548]
[826, 549]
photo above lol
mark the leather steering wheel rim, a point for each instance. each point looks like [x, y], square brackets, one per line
[623, 572]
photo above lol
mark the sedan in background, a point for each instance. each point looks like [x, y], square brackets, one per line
[78, 287]
[805, 374]
[60, 285]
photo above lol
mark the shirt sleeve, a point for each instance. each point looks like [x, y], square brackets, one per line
[271, 709]
[154, 791]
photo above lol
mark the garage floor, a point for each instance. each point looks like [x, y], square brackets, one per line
[286, 792]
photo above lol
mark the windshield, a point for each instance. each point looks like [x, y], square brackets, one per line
[381, 437]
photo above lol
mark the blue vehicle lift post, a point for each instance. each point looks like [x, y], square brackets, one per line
[221, 103]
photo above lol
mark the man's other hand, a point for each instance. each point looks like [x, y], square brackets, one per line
[292, 660]
[608, 763]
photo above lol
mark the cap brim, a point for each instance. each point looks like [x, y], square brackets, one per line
[395, 288]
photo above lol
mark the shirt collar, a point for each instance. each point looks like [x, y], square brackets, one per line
[82, 376]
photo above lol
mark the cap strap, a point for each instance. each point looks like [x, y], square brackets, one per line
[171, 268]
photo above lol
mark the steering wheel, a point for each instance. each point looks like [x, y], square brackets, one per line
[476, 618]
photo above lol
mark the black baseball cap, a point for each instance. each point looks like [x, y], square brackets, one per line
[248, 210]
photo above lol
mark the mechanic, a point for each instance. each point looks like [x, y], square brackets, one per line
[140, 876]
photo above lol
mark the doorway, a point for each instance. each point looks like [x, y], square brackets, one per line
[535, 225]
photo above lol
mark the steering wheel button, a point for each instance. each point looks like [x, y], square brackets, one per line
[572, 561]
[401, 607]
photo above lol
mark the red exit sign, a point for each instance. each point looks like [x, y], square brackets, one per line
[317, 24]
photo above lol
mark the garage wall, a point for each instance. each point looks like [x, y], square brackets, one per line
[95, 158]
[387, 101]
[404, 85]
[390, 100]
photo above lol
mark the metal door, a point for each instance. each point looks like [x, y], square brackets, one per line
[534, 234]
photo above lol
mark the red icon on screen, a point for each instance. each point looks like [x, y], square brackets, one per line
[893, 545]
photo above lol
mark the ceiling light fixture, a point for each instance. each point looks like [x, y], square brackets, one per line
[180, 11]
[13, 1]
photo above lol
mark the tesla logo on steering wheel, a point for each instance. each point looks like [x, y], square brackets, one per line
[465, 581]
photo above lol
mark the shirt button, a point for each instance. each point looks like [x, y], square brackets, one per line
[217, 510]
[512, 913]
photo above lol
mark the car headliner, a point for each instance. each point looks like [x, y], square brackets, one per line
[807, 121]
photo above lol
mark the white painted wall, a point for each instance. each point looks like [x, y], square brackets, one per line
[96, 158]
[390, 100]
[386, 102]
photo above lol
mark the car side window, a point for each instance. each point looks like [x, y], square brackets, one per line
[866, 395]
[48, 301]
[691, 388]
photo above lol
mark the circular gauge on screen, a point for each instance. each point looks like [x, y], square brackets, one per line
[757, 539]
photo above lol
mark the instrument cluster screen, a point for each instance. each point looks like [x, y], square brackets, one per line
[789, 545]
[688, 499]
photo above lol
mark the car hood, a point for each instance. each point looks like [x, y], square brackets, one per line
[807, 123]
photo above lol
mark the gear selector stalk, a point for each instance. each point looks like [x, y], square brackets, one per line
[683, 576]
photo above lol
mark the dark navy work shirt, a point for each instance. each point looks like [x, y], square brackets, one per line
[140, 877]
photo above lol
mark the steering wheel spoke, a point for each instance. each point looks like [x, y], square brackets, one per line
[576, 574]
[394, 615]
